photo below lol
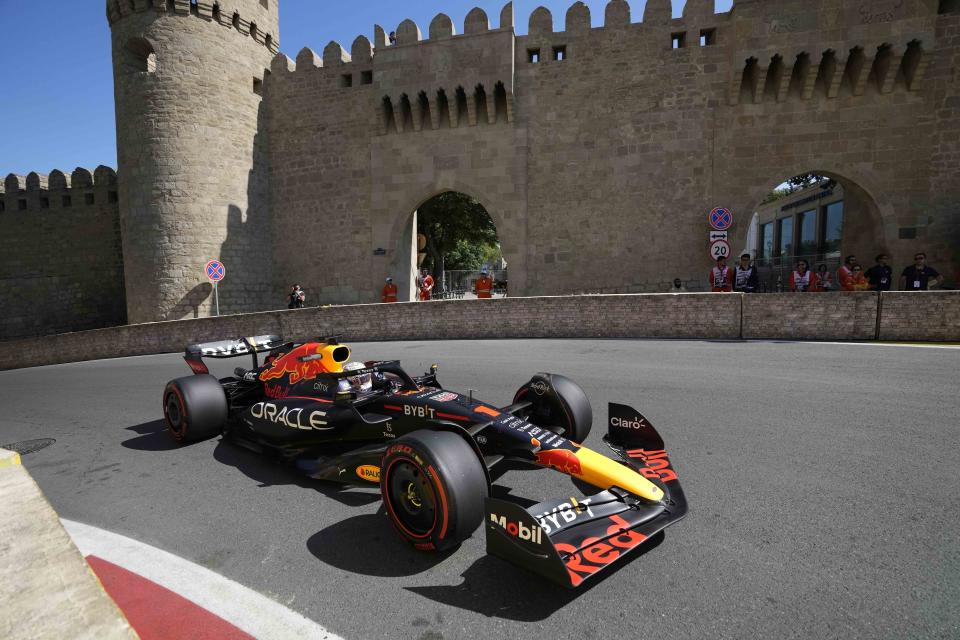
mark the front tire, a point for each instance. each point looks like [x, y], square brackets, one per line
[194, 408]
[433, 488]
[558, 403]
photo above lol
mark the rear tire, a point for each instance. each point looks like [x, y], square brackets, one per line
[557, 401]
[433, 488]
[194, 408]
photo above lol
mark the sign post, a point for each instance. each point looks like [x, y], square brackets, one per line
[719, 249]
[721, 219]
[215, 271]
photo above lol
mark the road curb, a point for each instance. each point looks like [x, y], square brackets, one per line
[9, 458]
[48, 590]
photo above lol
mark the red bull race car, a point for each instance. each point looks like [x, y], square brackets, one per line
[431, 450]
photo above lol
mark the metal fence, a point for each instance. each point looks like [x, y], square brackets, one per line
[459, 284]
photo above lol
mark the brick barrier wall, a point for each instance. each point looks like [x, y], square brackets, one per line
[602, 316]
[917, 316]
[793, 316]
[931, 316]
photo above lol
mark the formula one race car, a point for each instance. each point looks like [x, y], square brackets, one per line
[431, 450]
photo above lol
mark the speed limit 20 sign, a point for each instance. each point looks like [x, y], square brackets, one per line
[720, 249]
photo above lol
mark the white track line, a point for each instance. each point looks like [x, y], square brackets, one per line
[870, 344]
[244, 608]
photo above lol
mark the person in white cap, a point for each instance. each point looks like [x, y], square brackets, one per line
[389, 291]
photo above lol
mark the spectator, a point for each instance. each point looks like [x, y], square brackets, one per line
[823, 279]
[678, 286]
[845, 273]
[919, 276]
[425, 285]
[859, 281]
[721, 277]
[745, 278]
[389, 291]
[802, 279]
[393, 38]
[483, 287]
[880, 275]
[297, 297]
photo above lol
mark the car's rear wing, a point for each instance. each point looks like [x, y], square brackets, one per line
[230, 349]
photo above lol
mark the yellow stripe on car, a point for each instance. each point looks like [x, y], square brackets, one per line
[602, 472]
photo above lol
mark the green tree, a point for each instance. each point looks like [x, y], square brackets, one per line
[466, 256]
[459, 232]
[794, 184]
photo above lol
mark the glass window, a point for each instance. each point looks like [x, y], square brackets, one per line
[833, 229]
[807, 227]
[785, 227]
[765, 250]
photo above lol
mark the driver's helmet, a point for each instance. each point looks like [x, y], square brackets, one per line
[359, 383]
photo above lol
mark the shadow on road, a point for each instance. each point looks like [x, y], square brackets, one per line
[367, 544]
[153, 437]
[271, 473]
[482, 589]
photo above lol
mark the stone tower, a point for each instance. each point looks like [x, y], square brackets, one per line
[188, 78]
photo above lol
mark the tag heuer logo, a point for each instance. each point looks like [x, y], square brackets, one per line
[540, 387]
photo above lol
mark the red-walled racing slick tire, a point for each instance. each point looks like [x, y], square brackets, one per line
[557, 401]
[195, 408]
[433, 488]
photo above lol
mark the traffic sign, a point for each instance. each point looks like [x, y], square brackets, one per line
[720, 249]
[721, 219]
[215, 270]
[718, 235]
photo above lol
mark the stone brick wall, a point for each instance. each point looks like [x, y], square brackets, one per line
[614, 316]
[599, 169]
[345, 178]
[918, 316]
[191, 151]
[707, 316]
[61, 268]
[828, 316]
[941, 224]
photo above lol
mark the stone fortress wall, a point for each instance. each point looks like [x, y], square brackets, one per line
[61, 265]
[597, 151]
[190, 145]
[599, 160]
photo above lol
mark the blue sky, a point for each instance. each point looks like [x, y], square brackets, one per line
[57, 108]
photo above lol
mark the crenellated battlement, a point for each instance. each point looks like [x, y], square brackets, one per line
[59, 190]
[356, 67]
[256, 24]
[408, 33]
[450, 80]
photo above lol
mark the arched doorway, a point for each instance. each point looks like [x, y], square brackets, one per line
[819, 217]
[451, 237]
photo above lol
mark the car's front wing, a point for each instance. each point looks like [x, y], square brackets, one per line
[570, 541]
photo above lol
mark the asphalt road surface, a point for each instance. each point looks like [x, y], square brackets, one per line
[823, 485]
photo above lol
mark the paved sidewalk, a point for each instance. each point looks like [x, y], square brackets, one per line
[47, 589]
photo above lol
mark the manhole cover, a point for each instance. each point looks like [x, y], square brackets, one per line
[28, 446]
